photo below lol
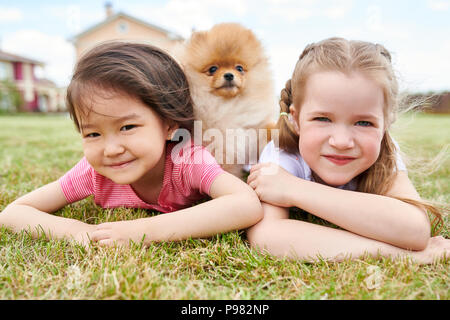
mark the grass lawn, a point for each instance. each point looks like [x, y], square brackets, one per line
[35, 150]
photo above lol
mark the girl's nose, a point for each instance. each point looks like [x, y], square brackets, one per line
[341, 138]
[113, 148]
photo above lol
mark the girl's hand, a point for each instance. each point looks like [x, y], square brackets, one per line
[84, 236]
[118, 233]
[272, 184]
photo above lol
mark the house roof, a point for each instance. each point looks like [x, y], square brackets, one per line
[5, 56]
[46, 82]
[168, 33]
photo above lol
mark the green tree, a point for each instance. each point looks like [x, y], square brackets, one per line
[10, 98]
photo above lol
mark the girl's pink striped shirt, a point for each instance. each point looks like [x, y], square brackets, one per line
[188, 175]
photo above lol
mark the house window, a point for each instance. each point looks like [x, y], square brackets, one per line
[122, 27]
[18, 71]
[3, 71]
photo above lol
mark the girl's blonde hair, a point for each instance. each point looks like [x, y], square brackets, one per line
[374, 61]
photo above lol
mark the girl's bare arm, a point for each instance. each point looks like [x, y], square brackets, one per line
[31, 212]
[296, 239]
[234, 206]
[382, 218]
[373, 216]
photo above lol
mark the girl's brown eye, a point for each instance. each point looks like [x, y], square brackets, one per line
[127, 127]
[92, 135]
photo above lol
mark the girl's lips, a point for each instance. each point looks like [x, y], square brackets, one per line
[339, 160]
[120, 165]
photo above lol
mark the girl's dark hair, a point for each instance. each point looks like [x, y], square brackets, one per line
[141, 71]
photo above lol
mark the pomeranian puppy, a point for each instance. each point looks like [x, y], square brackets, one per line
[232, 88]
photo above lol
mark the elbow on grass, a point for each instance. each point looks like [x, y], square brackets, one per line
[420, 232]
[5, 212]
[421, 239]
[416, 232]
[417, 237]
[256, 235]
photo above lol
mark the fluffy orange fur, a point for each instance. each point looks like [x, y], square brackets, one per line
[231, 85]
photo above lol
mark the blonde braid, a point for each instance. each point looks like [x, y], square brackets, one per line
[288, 137]
[286, 97]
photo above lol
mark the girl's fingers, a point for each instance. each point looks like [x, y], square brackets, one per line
[104, 225]
[251, 177]
[258, 166]
[107, 243]
[101, 234]
[254, 168]
[111, 243]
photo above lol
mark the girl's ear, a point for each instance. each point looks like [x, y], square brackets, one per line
[293, 117]
[172, 127]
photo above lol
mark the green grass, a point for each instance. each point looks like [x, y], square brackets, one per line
[35, 150]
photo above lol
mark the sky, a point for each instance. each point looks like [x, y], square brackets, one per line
[416, 32]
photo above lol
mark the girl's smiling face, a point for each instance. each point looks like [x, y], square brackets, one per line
[123, 139]
[341, 125]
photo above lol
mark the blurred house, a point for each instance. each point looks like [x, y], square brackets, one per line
[430, 102]
[37, 94]
[443, 105]
[122, 27]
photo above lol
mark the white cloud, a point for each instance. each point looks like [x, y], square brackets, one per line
[182, 16]
[283, 59]
[292, 11]
[423, 69]
[292, 2]
[376, 28]
[74, 17]
[280, 2]
[290, 14]
[237, 7]
[56, 52]
[374, 15]
[339, 9]
[10, 14]
[438, 5]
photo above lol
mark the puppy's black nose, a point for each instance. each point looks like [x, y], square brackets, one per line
[228, 76]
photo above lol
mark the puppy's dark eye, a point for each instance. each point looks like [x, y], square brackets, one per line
[239, 68]
[212, 69]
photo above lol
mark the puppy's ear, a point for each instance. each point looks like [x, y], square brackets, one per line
[198, 36]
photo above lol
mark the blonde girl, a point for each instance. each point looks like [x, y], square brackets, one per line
[336, 160]
[127, 101]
